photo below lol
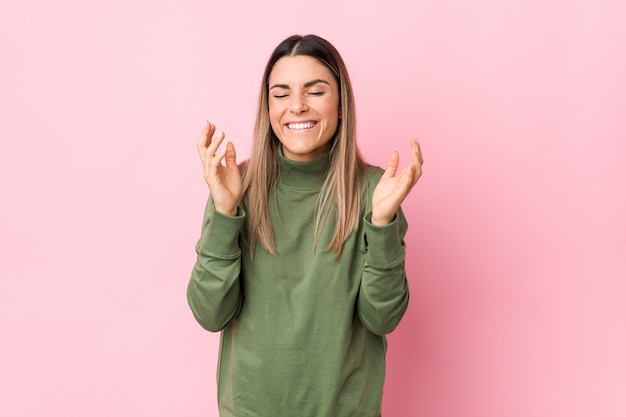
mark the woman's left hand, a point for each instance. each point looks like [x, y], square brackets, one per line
[392, 189]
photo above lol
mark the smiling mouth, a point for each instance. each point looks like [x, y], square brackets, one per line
[301, 126]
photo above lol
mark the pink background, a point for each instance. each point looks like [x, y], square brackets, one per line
[517, 246]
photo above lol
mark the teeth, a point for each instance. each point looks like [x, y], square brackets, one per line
[300, 126]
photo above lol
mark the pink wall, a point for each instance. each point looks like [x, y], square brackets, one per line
[517, 247]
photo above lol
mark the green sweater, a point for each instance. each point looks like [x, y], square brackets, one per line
[303, 335]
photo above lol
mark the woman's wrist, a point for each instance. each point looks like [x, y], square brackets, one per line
[381, 221]
[227, 212]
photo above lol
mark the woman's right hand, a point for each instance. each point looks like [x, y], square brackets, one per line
[224, 180]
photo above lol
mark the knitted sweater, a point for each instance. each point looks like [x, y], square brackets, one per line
[303, 335]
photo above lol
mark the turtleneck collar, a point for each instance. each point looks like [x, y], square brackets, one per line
[303, 175]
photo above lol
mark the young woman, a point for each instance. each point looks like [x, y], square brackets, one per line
[301, 258]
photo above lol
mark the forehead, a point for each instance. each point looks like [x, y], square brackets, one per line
[295, 70]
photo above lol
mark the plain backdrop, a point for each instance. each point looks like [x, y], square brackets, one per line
[517, 241]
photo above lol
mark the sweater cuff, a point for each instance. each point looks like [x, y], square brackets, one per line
[221, 234]
[385, 246]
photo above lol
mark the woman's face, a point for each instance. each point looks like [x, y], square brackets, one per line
[303, 106]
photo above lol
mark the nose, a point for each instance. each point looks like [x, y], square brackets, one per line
[298, 104]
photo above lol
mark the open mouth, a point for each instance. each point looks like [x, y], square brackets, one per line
[301, 125]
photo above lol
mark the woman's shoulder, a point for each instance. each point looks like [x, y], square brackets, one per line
[372, 174]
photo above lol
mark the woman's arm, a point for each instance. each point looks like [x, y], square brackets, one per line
[384, 294]
[214, 291]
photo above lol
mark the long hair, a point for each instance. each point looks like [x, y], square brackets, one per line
[340, 197]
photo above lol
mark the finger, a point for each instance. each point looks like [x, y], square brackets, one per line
[205, 135]
[416, 160]
[406, 181]
[208, 155]
[211, 150]
[205, 139]
[215, 157]
[231, 155]
[216, 160]
[392, 165]
[418, 151]
[403, 187]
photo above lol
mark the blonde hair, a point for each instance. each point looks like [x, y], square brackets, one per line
[340, 196]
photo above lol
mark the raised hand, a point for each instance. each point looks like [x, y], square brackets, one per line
[224, 180]
[392, 189]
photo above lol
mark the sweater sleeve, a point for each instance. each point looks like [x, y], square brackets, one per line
[384, 293]
[214, 293]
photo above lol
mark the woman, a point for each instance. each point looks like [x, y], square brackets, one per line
[301, 258]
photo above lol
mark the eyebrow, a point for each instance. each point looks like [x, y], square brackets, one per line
[306, 85]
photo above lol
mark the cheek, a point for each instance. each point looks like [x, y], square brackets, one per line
[332, 113]
[274, 117]
[274, 113]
